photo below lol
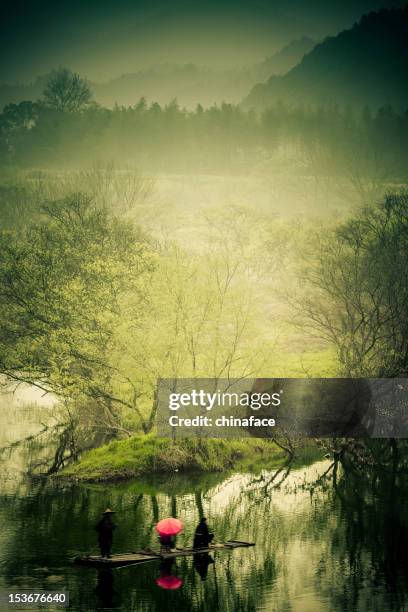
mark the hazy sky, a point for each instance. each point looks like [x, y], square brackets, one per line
[103, 38]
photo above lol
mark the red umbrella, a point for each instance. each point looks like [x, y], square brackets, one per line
[169, 582]
[169, 527]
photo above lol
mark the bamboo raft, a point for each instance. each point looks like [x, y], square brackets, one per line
[144, 556]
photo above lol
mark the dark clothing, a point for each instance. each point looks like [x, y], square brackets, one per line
[105, 529]
[106, 548]
[202, 536]
[167, 541]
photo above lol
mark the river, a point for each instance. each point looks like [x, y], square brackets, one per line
[321, 544]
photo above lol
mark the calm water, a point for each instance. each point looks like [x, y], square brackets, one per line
[320, 545]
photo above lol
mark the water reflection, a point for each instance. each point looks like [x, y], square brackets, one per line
[373, 509]
[105, 589]
[338, 543]
[201, 563]
[167, 580]
[329, 537]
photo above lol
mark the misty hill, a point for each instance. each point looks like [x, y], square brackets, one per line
[367, 64]
[190, 84]
[285, 59]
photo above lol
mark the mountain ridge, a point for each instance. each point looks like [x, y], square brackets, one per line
[364, 65]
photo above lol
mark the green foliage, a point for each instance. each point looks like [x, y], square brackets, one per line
[148, 455]
[95, 315]
[66, 282]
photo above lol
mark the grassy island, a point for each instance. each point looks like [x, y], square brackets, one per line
[143, 454]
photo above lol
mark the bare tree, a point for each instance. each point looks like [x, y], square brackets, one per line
[355, 289]
[66, 91]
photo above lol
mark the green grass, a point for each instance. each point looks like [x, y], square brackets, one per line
[320, 363]
[140, 455]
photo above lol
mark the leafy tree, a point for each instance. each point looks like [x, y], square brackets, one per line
[66, 283]
[66, 91]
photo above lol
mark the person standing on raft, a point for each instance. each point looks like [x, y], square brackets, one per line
[105, 529]
[202, 536]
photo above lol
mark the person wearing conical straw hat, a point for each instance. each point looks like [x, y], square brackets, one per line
[105, 529]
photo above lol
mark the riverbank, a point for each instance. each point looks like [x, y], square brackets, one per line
[123, 459]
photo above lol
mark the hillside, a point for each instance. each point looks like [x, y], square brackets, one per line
[192, 84]
[287, 58]
[189, 83]
[367, 64]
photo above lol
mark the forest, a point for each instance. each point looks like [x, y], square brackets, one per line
[59, 131]
[257, 237]
[100, 298]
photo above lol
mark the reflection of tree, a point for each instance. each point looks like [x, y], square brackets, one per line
[199, 503]
[350, 520]
[266, 482]
[155, 509]
[52, 526]
[370, 537]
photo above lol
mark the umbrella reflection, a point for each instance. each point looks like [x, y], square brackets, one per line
[169, 582]
[166, 580]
